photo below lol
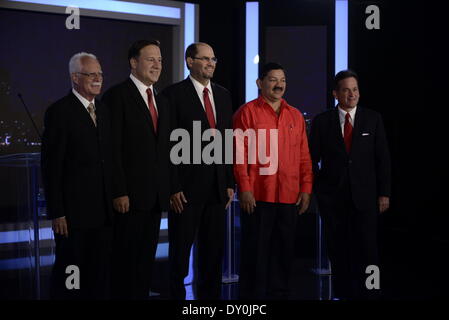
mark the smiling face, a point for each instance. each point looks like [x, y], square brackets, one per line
[202, 66]
[148, 65]
[347, 93]
[87, 82]
[273, 85]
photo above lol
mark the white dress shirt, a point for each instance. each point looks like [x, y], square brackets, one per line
[199, 90]
[142, 87]
[342, 115]
[83, 100]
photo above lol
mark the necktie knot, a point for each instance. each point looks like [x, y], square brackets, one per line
[208, 108]
[91, 110]
[149, 92]
[347, 117]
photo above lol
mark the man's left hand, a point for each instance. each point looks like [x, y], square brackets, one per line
[230, 192]
[303, 202]
[384, 204]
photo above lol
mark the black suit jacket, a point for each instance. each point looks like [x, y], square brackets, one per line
[141, 157]
[186, 107]
[366, 168]
[76, 163]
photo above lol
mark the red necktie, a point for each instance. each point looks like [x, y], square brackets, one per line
[208, 106]
[348, 132]
[152, 109]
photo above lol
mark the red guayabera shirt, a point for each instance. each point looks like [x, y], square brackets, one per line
[294, 170]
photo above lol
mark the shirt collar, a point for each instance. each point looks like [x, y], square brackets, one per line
[342, 113]
[83, 100]
[261, 102]
[199, 86]
[142, 87]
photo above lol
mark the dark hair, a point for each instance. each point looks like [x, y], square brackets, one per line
[134, 50]
[344, 74]
[192, 51]
[268, 67]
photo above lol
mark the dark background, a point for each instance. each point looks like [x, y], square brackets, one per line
[303, 50]
[36, 49]
[403, 75]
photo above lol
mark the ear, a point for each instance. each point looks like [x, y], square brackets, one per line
[259, 84]
[334, 93]
[189, 62]
[133, 63]
[74, 78]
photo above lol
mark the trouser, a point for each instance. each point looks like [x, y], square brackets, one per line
[267, 250]
[206, 223]
[351, 238]
[136, 234]
[89, 251]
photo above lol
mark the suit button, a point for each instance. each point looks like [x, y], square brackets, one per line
[102, 161]
[350, 161]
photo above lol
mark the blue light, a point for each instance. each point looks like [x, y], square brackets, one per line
[341, 35]
[252, 50]
[162, 251]
[189, 30]
[48, 260]
[24, 235]
[25, 263]
[113, 6]
[164, 224]
[27, 235]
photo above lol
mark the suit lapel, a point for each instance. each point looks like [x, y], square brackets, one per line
[99, 114]
[359, 124]
[336, 130]
[218, 106]
[82, 111]
[140, 103]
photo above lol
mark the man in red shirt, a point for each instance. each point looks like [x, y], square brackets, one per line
[271, 193]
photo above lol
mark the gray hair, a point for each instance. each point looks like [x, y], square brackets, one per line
[75, 61]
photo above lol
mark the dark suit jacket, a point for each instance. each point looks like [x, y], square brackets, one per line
[186, 107]
[366, 167]
[75, 163]
[141, 158]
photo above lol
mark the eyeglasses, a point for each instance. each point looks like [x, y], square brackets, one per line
[92, 75]
[207, 59]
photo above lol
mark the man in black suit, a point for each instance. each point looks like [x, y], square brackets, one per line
[351, 163]
[200, 192]
[76, 170]
[140, 127]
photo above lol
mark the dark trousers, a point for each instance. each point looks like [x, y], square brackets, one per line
[206, 222]
[90, 250]
[267, 250]
[351, 238]
[136, 234]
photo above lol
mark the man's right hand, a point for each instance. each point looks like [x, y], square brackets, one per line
[247, 201]
[59, 226]
[176, 201]
[121, 204]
